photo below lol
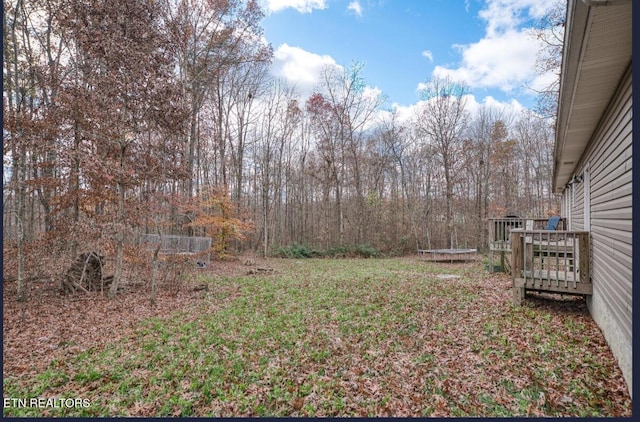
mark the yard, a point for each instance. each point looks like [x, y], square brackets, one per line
[313, 337]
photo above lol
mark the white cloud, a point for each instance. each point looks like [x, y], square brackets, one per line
[472, 106]
[503, 61]
[512, 107]
[428, 54]
[300, 67]
[302, 6]
[372, 93]
[405, 113]
[506, 15]
[543, 81]
[505, 58]
[303, 69]
[355, 7]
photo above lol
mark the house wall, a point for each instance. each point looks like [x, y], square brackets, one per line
[577, 211]
[607, 160]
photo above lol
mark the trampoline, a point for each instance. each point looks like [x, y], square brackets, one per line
[443, 255]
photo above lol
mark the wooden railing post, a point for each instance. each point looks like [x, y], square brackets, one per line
[516, 252]
[516, 265]
[584, 257]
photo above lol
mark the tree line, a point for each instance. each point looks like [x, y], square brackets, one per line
[129, 117]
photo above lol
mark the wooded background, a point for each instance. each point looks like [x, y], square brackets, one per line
[135, 116]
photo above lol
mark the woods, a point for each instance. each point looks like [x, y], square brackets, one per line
[161, 117]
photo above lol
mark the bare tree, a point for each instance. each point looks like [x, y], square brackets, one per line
[24, 119]
[351, 108]
[395, 138]
[481, 148]
[505, 168]
[535, 152]
[213, 38]
[441, 122]
[549, 30]
[280, 117]
[248, 82]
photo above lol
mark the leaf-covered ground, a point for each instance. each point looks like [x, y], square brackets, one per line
[368, 337]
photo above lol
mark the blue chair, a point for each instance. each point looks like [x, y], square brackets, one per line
[552, 223]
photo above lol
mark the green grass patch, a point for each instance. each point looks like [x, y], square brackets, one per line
[377, 337]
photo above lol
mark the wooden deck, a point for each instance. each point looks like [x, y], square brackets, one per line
[500, 235]
[500, 230]
[551, 261]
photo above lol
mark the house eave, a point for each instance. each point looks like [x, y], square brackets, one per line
[597, 51]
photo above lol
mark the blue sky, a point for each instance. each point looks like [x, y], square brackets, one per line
[403, 43]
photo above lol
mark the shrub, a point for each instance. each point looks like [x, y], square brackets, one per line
[343, 251]
[353, 251]
[366, 251]
[294, 251]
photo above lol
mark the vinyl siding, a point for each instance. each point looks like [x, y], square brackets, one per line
[609, 157]
[577, 211]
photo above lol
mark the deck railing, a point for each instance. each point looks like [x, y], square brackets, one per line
[499, 229]
[553, 261]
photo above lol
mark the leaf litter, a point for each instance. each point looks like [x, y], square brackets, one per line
[317, 338]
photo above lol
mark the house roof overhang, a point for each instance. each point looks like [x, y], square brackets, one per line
[597, 51]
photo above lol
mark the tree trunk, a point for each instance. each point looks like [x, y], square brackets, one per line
[20, 166]
[120, 227]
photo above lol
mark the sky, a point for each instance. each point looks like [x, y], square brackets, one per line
[485, 44]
